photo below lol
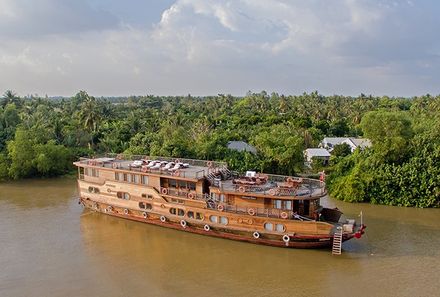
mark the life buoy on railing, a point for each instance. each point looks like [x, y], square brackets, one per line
[241, 189]
[206, 228]
[286, 238]
[284, 215]
[126, 211]
[191, 196]
[176, 173]
[251, 211]
[220, 207]
[164, 191]
[177, 161]
[256, 235]
[209, 164]
[144, 168]
[183, 223]
[272, 192]
[163, 219]
[115, 165]
[145, 215]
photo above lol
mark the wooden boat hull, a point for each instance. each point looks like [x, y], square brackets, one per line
[296, 241]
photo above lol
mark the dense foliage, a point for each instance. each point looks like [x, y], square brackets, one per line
[41, 136]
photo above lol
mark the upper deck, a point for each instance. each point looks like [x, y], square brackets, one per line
[188, 169]
[220, 178]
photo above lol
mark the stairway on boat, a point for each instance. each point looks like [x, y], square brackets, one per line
[337, 241]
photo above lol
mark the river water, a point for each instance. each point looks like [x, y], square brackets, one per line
[50, 246]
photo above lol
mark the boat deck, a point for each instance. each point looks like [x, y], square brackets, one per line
[306, 189]
[191, 171]
[273, 185]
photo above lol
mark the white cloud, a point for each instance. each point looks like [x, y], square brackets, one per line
[210, 47]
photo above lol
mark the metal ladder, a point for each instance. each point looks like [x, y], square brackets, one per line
[337, 241]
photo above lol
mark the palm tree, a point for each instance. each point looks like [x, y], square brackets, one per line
[90, 115]
[10, 97]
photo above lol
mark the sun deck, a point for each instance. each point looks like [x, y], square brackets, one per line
[190, 169]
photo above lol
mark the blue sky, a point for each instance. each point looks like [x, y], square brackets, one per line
[206, 47]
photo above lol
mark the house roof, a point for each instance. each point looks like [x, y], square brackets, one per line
[361, 142]
[241, 146]
[334, 140]
[317, 152]
[357, 142]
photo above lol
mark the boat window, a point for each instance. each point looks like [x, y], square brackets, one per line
[148, 206]
[280, 228]
[268, 226]
[136, 178]
[91, 172]
[277, 204]
[172, 211]
[180, 212]
[144, 179]
[81, 172]
[123, 195]
[125, 177]
[213, 219]
[190, 214]
[191, 186]
[288, 204]
[150, 196]
[93, 190]
[172, 183]
[222, 198]
[142, 205]
[116, 176]
[199, 216]
[144, 195]
[182, 184]
[213, 196]
[129, 178]
[224, 220]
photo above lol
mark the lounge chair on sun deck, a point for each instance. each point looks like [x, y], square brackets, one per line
[185, 165]
[158, 165]
[168, 166]
[152, 163]
[176, 167]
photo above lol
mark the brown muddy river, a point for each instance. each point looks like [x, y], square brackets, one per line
[50, 246]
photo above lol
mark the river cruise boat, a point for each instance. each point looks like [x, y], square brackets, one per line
[205, 197]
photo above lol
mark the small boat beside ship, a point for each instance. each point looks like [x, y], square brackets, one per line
[205, 197]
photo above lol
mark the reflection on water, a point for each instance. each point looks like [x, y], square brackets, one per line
[51, 247]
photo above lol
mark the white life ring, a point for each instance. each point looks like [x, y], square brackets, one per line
[256, 235]
[145, 215]
[126, 211]
[286, 238]
[163, 219]
[206, 228]
[284, 215]
[183, 223]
